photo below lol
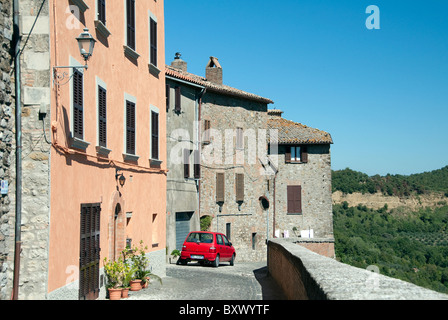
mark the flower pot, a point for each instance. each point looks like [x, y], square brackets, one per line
[136, 285]
[114, 293]
[125, 293]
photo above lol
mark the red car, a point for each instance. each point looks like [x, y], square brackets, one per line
[207, 247]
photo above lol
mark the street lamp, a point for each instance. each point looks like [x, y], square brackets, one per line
[86, 44]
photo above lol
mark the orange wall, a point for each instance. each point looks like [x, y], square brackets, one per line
[78, 178]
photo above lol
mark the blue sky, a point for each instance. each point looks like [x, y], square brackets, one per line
[382, 94]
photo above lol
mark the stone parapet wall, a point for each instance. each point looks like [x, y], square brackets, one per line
[306, 275]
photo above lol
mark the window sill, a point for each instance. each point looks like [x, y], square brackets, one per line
[131, 53]
[102, 28]
[294, 214]
[156, 162]
[103, 150]
[79, 143]
[154, 70]
[82, 5]
[130, 157]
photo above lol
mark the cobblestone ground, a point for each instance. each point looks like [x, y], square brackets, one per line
[243, 281]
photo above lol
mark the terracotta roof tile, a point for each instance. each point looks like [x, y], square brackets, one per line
[190, 77]
[293, 132]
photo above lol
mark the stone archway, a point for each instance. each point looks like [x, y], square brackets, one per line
[117, 226]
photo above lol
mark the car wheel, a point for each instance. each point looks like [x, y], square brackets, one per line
[232, 261]
[216, 263]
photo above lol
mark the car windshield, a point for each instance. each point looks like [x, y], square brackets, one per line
[200, 237]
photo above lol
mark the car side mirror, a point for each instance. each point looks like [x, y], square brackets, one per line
[230, 244]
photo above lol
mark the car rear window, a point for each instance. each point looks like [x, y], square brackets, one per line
[200, 237]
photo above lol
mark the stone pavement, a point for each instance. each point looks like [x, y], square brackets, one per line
[243, 281]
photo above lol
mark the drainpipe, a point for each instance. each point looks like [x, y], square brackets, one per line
[18, 120]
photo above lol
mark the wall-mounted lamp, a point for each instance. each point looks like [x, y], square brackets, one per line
[86, 45]
[120, 177]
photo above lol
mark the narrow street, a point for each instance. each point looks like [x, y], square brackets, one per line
[243, 281]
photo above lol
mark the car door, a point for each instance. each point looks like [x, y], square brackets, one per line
[228, 247]
[220, 247]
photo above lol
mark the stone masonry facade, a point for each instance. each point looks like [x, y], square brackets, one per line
[35, 89]
[6, 141]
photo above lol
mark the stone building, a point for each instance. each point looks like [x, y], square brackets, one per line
[93, 144]
[300, 188]
[6, 142]
[232, 130]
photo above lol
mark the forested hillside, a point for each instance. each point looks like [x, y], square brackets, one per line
[410, 245]
[350, 181]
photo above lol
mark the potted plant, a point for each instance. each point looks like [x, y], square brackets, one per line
[175, 254]
[114, 273]
[127, 277]
[141, 263]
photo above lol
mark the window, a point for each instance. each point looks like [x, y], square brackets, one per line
[102, 11]
[153, 41]
[219, 239]
[102, 116]
[220, 187]
[228, 230]
[154, 135]
[239, 138]
[239, 187]
[78, 105]
[130, 24]
[167, 93]
[294, 199]
[187, 163]
[206, 134]
[226, 242]
[295, 153]
[197, 164]
[177, 102]
[130, 127]
[254, 240]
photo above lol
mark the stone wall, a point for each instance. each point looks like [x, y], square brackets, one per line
[305, 275]
[247, 220]
[35, 80]
[6, 142]
[315, 179]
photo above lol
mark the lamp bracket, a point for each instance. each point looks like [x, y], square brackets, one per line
[62, 77]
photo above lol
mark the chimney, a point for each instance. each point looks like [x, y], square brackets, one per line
[275, 113]
[213, 71]
[178, 63]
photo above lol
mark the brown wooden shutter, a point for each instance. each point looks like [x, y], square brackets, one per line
[239, 181]
[186, 163]
[89, 258]
[153, 44]
[154, 135]
[294, 198]
[197, 164]
[102, 115]
[130, 17]
[78, 105]
[287, 154]
[177, 103]
[220, 187]
[304, 154]
[167, 88]
[239, 138]
[206, 130]
[130, 127]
